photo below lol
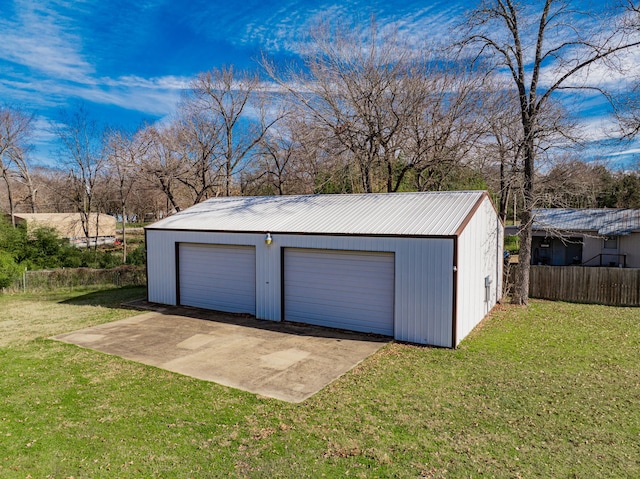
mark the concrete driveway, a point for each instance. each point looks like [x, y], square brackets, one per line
[286, 361]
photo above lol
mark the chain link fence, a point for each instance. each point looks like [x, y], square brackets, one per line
[47, 280]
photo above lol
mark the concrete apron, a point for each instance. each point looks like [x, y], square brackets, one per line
[286, 361]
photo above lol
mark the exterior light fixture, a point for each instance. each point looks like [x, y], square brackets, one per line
[268, 239]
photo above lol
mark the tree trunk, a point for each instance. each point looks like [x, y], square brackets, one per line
[124, 234]
[166, 188]
[389, 163]
[5, 176]
[504, 191]
[32, 197]
[227, 177]
[521, 286]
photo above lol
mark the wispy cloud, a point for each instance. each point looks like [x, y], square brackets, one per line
[155, 96]
[286, 29]
[628, 152]
[112, 53]
[45, 40]
[42, 49]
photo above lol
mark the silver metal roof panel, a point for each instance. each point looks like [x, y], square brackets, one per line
[603, 221]
[413, 214]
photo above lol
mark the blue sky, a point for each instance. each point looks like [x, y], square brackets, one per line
[129, 61]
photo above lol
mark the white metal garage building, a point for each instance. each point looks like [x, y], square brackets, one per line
[421, 267]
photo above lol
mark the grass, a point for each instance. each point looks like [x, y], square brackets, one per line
[548, 391]
[512, 244]
[132, 224]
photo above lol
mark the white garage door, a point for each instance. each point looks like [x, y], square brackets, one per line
[219, 277]
[340, 289]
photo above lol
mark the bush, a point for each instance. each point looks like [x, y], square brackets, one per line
[12, 240]
[72, 257]
[45, 249]
[138, 256]
[9, 270]
[109, 260]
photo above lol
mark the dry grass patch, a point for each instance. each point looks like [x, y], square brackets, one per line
[26, 317]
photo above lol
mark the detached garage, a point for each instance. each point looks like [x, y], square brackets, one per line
[420, 267]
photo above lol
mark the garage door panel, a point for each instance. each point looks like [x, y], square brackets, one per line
[363, 301]
[330, 314]
[341, 289]
[218, 277]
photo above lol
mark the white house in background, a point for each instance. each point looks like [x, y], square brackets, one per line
[420, 267]
[587, 237]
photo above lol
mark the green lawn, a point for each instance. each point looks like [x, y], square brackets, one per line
[548, 391]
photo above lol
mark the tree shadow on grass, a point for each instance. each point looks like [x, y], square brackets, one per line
[108, 298]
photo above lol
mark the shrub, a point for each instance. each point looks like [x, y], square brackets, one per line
[12, 240]
[45, 249]
[109, 260]
[138, 256]
[9, 270]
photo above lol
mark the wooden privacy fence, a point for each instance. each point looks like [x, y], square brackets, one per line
[45, 280]
[612, 286]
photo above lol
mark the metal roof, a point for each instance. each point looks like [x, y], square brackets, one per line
[604, 221]
[419, 214]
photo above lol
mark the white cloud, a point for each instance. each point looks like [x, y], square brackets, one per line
[41, 48]
[599, 128]
[43, 40]
[287, 28]
[627, 152]
[155, 98]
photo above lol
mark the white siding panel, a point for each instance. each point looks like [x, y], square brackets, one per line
[630, 245]
[340, 289]
[161, 272]
[222, 278]
[479, 257]
[424, 281]
[423, 301]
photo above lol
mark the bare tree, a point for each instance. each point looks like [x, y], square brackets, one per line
[124, 153]
[161, 165]
[198, 141]
[570, 183]
[53, 188]
[351, 86]
[627, 103]
[82, 157]
[400, 118]
[543, 48]
[226, 99]
[15, 131]
[501, 145]
[286, 159]
[442, 124]
[24, 176]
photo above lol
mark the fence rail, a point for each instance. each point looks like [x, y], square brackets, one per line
[46, 280]
[612, 286]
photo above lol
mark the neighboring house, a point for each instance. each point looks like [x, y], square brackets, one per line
[588, 237]
[420, 267]
[102, 228]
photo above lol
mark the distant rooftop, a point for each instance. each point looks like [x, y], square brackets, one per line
[419, 214]
[603, 221]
